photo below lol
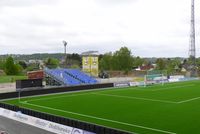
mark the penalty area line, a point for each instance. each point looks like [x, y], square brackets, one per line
[56, 97]
[184, 101]
[98, 118]
[136, 98]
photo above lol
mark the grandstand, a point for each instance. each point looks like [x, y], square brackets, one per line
[68, 77]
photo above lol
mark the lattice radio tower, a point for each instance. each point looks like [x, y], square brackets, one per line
[192, 49]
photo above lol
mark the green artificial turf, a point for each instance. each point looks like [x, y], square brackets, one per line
[169, 109]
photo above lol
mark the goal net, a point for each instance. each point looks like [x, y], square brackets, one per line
[154, 77]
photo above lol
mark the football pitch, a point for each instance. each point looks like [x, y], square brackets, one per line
[173, 108]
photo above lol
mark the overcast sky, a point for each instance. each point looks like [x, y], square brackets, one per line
[148, 27]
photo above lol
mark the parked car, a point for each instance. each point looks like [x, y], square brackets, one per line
[103, 75]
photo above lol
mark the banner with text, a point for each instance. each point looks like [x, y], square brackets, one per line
[40, 123]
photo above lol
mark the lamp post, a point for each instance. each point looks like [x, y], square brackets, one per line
[65, 51]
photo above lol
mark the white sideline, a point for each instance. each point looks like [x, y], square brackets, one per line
[137, 98]
[108, 120]
[143, 88]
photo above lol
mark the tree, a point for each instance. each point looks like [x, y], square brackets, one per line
[160, 64]
[19, 68]
[122, 60]
[10, 67]
[72, 60]
[173, 66]
[51, 63]
[23, 64]
[2, 64]
[32, 67]
[105, 62]
[137, 61]
[198, 65]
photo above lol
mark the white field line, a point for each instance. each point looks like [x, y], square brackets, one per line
[136, 98]
[98, 118]
[173, 87]
[184, 101]
[74, 95]
[121, 89]
[24, 102]
[65, 92]
[127, 88]
[63, 96]
[165, 101]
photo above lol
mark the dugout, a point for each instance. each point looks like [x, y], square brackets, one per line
[29, 83]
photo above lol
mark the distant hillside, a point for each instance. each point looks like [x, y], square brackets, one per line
[153, 59]
[42, 56]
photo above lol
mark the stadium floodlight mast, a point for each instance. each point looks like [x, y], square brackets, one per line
[65, 50]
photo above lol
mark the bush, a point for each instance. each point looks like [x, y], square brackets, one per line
[11, 68]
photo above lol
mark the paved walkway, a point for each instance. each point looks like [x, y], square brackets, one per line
[14, 127]
[7, 87]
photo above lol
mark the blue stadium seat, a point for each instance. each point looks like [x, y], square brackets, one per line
[71, 76]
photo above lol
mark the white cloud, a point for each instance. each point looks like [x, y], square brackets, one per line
[148, 28]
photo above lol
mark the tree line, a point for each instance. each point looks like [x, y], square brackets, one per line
[120, 60]
[13, 65]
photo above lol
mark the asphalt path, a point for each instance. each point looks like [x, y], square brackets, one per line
[14, 127]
